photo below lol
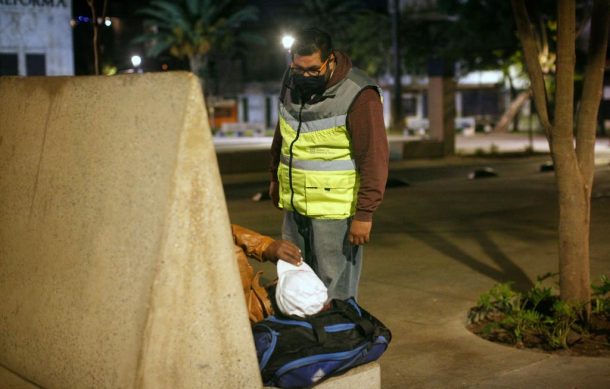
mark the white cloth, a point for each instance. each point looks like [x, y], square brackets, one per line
[299, 291]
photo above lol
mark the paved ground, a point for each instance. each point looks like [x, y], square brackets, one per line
[508, 142]
[437, 245]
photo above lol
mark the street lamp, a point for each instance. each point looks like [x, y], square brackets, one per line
[136, 60]
[287, 41]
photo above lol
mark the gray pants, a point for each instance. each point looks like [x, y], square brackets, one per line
[326, 248]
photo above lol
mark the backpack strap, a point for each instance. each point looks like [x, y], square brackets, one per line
[366, 327]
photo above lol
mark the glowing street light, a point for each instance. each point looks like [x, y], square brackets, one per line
[136, 60]
[287, 41]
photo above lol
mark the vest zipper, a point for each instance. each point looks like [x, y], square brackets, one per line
[290, 160]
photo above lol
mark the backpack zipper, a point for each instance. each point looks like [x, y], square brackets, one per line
[328, 328]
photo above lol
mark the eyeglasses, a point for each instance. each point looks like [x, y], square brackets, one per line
[309, 72]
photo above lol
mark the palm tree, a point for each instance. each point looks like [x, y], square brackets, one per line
[193, 29]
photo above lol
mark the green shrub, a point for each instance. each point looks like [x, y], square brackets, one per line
[600, 303]
[538, 312]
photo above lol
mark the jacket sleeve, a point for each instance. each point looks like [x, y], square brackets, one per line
[370, 147]
[276, 145]
[276, 149]
[253, 243]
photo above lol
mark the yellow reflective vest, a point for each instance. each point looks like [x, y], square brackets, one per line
[317, 172]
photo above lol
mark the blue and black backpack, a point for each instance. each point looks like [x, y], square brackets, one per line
[294, 352]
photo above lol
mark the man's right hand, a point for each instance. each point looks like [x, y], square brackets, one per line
[274, 193]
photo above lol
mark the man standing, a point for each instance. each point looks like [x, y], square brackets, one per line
[329, 160]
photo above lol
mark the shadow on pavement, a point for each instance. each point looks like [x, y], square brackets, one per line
[509, 272]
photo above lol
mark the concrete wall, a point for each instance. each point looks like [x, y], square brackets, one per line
[116, 259]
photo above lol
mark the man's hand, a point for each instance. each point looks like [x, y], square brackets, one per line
[285, 250]
[359, 232]
[274, 193]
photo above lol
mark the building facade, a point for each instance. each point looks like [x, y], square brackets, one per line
[36, 38]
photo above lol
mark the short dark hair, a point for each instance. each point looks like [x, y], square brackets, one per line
[312, 39]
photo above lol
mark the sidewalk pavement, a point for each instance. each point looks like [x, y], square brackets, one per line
[441, 242]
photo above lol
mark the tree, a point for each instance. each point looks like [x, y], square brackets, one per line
[95, 24]
[360, 31]
[363, 33]
[474, 34]
[193, 29]
[477, 34]
[571, 137]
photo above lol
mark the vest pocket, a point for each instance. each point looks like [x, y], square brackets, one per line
[298, 183]
[329, 195]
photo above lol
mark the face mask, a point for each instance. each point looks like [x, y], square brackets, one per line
[309, 86]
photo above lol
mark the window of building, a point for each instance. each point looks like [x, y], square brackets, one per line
[9, 65]
[477, 102]
[409, 105]
[35, 65]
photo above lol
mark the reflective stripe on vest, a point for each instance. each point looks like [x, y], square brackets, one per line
[313, 125]
[324, 166]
